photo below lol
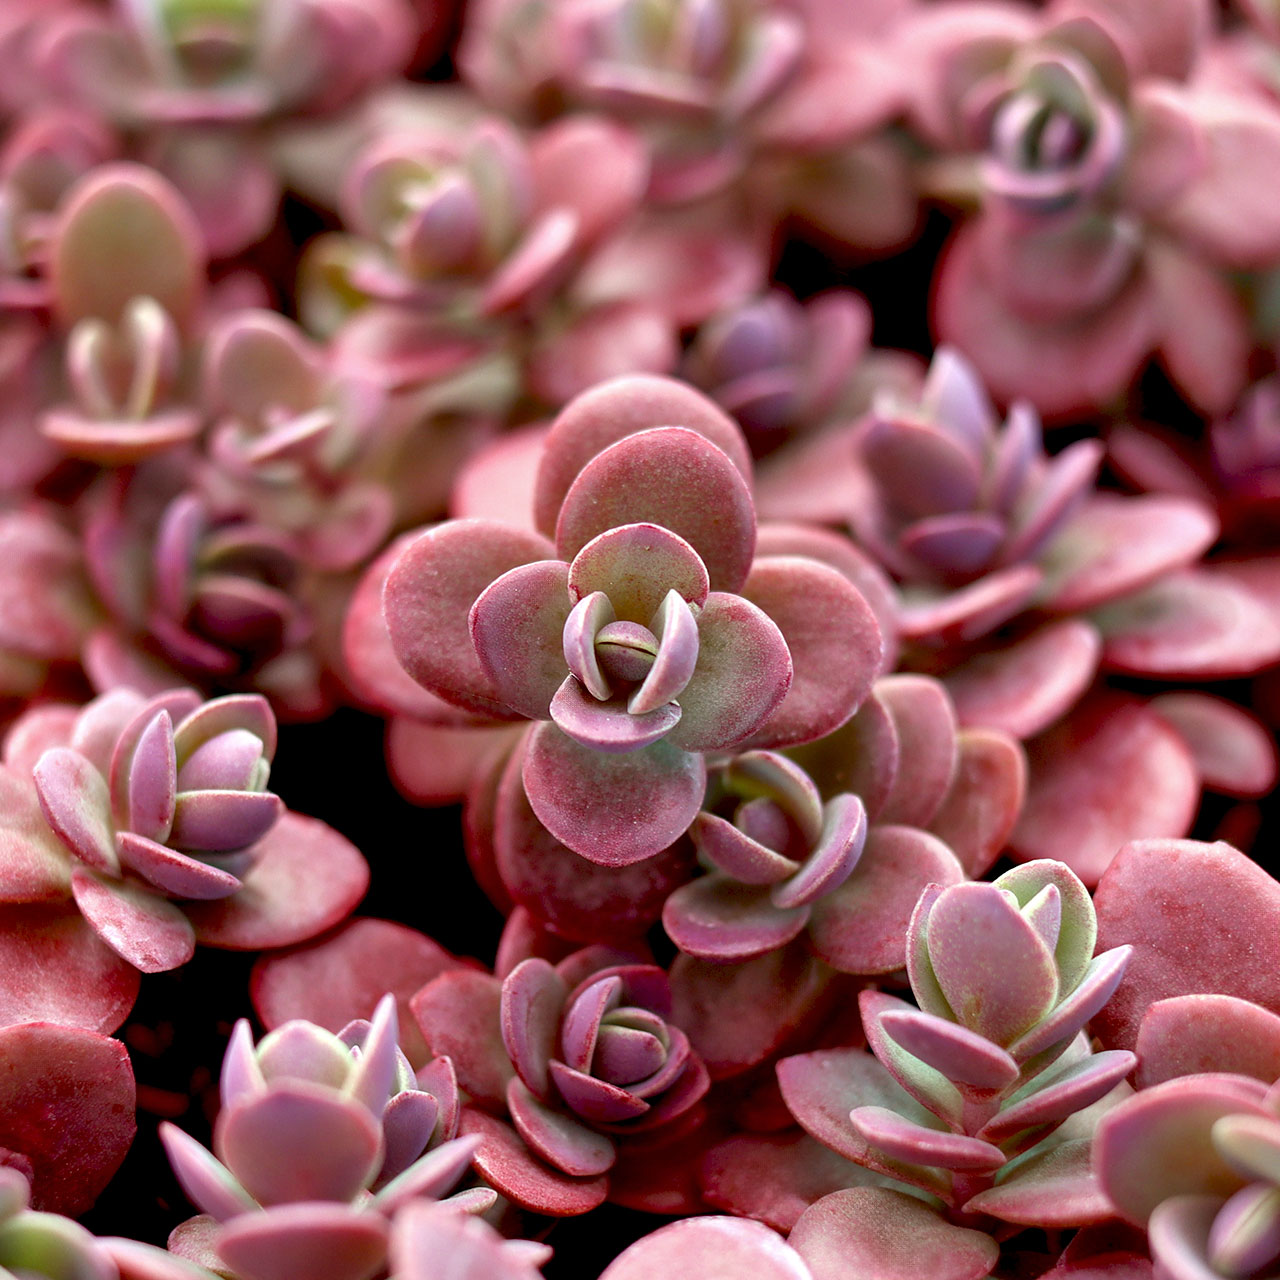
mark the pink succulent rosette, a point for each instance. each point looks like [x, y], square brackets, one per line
[837, 840]
[1102, 162]
[981, 1095]
[787, 100]
[1020, 586]
[321, 1140]
[295, 443]
[126, 274]
[584, 1059]
[781, 367]
[1191, 1160]
[153, 818]
[203, 92]
[644, 635]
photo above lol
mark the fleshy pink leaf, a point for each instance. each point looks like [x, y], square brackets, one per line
[1192, 1034]
[343, 976]
[1233, 752]
[740, 1014]
[459, 1016]
[861, 927]
[57, 969]
[326, 1241]
[710, 1247]
[616, 409]
[673, 477]
[1190, 911]
[635, 565]
[875, 1231]
[66, 1105]
[306, 878]
[1056, 1187]
[1024, 687]
[148, 931]
[717, 918]
[1116, 546]
[743, 672]
[834, 642]
[1118, 762]
[612, 809]
[510, 1168]
[517, 624]
[986, 796]
[925, 721]
[428, 597]
[1159, 1142]
[299, 1141]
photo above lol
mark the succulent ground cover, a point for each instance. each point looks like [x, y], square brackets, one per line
[638, 638]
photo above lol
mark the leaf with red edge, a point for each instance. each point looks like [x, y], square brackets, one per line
[985, 799]
[616, 409]
[862, 756]
[372, 671]
[1116, 761]
[834, 642]
[774, 1178]
[1233, 752]
[57, 969]
[738, 1015]
[1024, 687]
[428, 597]
[743, 672]
[459, 1016]
[1116, 546]
[1051, 1188]
[712, 1247]
[150, 932]
[925, 723]
[1159, 1142]
[1064, 368]
[1190, 911]
[342, 976]
[306, 879]
[876, 1231]
[613, 809]
[581, 900]
[861, 927]
[517, 630]
[1205, 1032]
[1193, 625]
[823, 1087]
[717, 918]
[673, 477]
[510, 1168]
[66, 1104]
[320, 1241]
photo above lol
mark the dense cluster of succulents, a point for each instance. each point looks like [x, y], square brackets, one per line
[795, 484]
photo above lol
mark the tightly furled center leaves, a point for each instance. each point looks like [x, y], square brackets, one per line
[633, 639]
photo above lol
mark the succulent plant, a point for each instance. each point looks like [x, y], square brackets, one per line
[971, 1096]
[1191, 1161]
[159, 811]
[1093, 141]
[583, 1057]
[320, 1140]
[629, 636]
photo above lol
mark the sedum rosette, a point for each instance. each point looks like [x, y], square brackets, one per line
[971, 1096]
[320, 1140]
[644, 635]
